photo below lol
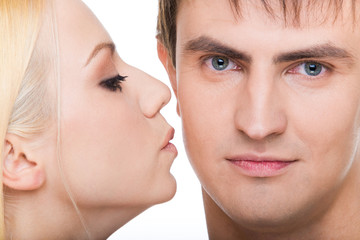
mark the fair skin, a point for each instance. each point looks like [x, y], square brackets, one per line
[114, 147]
[271, 120]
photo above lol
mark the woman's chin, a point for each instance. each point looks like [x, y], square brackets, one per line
[171, 190]
[166, 191]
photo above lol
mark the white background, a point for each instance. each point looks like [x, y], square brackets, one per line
[132, 26]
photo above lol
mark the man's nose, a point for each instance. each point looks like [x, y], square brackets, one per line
[261, 111]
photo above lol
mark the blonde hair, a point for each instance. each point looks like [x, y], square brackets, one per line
[24, 101]
[26, 66]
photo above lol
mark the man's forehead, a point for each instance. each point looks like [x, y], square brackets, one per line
[293, 13]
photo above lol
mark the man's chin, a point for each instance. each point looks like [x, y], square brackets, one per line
[261, 215]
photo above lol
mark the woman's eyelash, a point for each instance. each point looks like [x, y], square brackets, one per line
[113, 83]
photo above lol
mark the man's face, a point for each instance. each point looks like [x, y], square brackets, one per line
[270, 113]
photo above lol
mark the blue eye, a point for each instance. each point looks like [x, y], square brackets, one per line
[220, 63]
[114, 83]
[312, 68]
[309, 69]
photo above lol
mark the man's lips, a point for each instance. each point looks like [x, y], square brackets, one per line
[261, 166]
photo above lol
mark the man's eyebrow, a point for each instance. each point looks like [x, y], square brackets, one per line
[99, 47]
[319, 51]
[210, 45]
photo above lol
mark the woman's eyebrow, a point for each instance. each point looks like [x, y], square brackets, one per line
[98, 48]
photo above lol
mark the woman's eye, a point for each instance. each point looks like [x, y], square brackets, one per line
[114, 83]
[219, 63]
[311, 69]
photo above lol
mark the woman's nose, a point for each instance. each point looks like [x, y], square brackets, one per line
[153, 97]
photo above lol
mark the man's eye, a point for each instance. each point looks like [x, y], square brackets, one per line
[114, 83]
[219, 63]
[311, 69]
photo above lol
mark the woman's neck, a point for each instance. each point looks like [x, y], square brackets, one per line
[31, 215]
[38, 216]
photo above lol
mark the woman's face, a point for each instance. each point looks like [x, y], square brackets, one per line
[114, 141]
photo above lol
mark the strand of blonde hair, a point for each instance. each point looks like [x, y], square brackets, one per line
[19, 24]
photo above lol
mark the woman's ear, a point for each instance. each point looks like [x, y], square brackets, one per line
[20, 170]
[170, 69]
